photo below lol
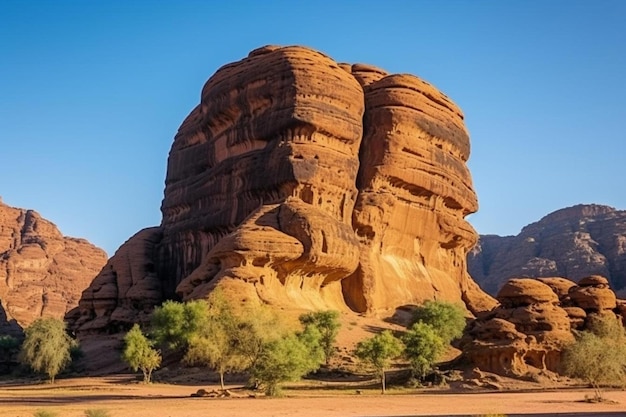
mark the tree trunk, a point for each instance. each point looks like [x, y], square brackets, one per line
[222, 379]
[382, 381]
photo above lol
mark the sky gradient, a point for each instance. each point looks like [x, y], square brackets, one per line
[93, 92]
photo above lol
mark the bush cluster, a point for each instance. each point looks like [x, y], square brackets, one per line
[214, 334]
[435, 324]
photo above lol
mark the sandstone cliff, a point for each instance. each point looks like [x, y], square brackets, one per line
[42, 272]
[573, 242]
[304, 183]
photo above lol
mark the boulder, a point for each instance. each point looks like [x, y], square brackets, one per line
[525, 334]
[560, 286]
[593, 294]
[522, 292]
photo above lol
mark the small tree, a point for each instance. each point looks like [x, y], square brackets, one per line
[327, 323]
[423, 347]
[225, 343]
[175, 323]
[46, 347]
[285, 359]
[378, 352]
[447, 319]
[598, 355]
[139, 354]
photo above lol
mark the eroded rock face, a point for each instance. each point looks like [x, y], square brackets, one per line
[42, 272]
[574, 242]
[534, 321]
[414, 192]
[125, 291]
[305, 183]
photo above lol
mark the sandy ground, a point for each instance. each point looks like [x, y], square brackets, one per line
[121, 397]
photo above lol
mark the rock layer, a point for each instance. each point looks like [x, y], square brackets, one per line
[42, 272]
[305, 183]
[573, 242]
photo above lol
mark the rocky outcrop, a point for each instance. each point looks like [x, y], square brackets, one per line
[305, 183]
[42, 272]
[414, 192]
[573, 242]
[535, 320]
[125, 291]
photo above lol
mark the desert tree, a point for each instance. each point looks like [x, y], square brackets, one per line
[140, 354]
[226, 343]
[46, 347]
[423, 347]
[288, 358]
[598, 355]
[378, 351]
[327, 323]
[447, 319]
[175, 323]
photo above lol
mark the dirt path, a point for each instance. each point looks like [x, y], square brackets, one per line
[122, 399]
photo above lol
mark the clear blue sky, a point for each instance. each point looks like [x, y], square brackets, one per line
[92, 94]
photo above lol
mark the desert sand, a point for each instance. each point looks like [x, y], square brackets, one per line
[121, 396]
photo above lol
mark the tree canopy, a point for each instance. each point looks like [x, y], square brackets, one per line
[139, 353]
[378, 352]
[285, 359]
[175, 323]
[46, 347]
[227, 343]
[447, 319]
[327, 323]
[423, 347]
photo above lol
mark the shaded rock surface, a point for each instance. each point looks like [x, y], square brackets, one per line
[42, 272]
[304, 183]
[527, 332]
[573, 242]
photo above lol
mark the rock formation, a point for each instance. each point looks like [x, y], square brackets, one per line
[304, 183]
[573, 242]
[527, 332]
[42, 273]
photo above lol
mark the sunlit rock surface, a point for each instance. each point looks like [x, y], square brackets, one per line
[42, 272]
[301, 182]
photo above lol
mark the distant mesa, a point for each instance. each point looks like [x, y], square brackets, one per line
[534, 275]
[42, 272]
[573, 242]
[303, 183]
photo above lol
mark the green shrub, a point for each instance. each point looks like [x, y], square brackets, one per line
[45, 413]
[286, 359]
[97, 413]
[598, 355]
[327, 323]
[175, 323]
[447, 319]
